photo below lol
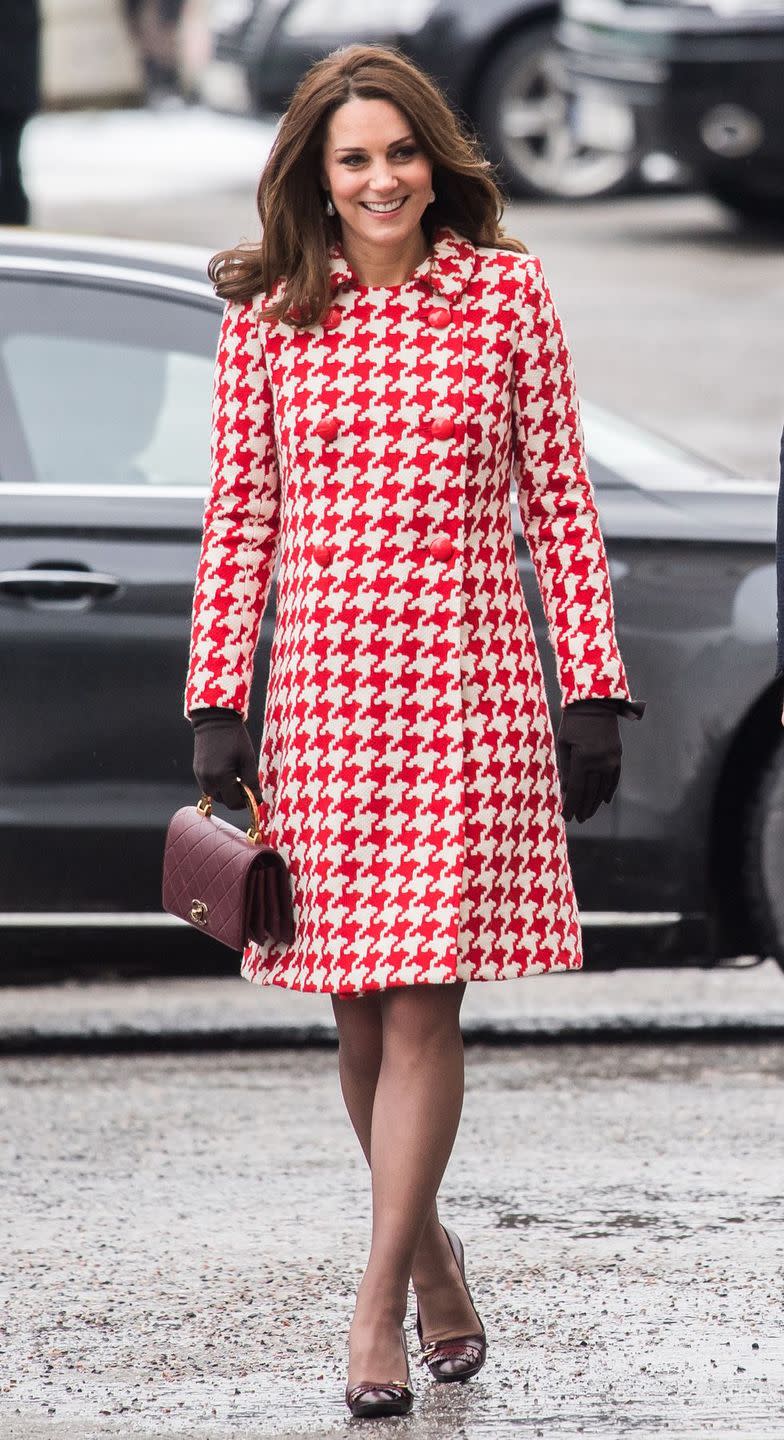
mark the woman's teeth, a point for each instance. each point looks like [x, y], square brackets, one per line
[383, 207]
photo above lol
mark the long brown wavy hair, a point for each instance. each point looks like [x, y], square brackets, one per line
[296, 232]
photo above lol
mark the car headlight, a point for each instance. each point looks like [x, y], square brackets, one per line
[356, 17]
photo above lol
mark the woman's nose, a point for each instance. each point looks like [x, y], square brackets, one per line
[383, 178]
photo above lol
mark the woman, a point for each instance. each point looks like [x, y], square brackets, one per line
[387, 359]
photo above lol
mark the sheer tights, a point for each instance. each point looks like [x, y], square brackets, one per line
[401, 1075]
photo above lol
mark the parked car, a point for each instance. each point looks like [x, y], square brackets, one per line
[106, 358]
[495, 61]
[703, 82]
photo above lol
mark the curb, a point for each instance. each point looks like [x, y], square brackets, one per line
[129, 1039]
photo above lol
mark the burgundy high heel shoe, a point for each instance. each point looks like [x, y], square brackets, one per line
[459, 1356]
[372, 1399]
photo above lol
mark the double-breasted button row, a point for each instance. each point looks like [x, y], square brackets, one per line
[441, 428]
[439, 316]
[440, 548]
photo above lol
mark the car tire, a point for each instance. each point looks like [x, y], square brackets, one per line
[763, 860]
[755, 204]
[526, 120]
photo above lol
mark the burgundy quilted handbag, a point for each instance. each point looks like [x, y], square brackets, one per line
[228, 884]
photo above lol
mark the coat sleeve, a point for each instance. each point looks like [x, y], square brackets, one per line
[240, 533]
[557, 506]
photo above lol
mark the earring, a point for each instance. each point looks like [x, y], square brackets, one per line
[329, 207]
[432, 197]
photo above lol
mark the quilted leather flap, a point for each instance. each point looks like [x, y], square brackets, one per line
[207, 865]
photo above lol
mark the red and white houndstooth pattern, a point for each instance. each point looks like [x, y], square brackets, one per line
[407, 765]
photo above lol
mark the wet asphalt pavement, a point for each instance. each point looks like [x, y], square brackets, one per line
[184, 1233]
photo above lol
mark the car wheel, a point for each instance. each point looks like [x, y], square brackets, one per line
[755, 203]
[764, 859]
[545, 141]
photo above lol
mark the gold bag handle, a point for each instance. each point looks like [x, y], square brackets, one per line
[204, 808]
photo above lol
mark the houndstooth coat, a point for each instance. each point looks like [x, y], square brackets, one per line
[407, 764]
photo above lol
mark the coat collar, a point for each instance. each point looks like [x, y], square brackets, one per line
[446, 270]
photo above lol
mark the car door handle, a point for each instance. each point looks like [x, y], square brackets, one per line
[57, 584]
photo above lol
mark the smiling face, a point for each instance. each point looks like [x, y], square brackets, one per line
[379, 178]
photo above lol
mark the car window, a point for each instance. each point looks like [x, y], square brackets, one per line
[623, 453]
[104, 388]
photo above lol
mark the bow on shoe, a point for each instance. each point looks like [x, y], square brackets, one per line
[458, 1348]
[390, 1390]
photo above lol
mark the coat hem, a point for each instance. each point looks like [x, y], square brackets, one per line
[260, 977]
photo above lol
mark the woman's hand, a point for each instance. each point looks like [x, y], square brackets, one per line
[588, 750]
[223, 753]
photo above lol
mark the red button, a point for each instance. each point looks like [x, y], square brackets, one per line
[322, 555]
[442, 549]
[439, 317]
[332, 318]
[442, 428]
[328, 428]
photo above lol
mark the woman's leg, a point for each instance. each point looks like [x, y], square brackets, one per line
[415, 1114]
[444, 1306]
[358, 1021]
[359, 1031]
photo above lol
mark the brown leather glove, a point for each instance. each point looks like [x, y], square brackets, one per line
[588, 751]
[223, 753]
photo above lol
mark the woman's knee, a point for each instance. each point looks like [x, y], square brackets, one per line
[419, 1017]
[360, 1036]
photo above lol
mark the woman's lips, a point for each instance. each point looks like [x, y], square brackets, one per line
[391, 208]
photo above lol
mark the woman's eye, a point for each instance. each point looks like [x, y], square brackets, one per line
[404, 152]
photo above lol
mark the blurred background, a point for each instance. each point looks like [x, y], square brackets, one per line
[591, 98]
[641, 147]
